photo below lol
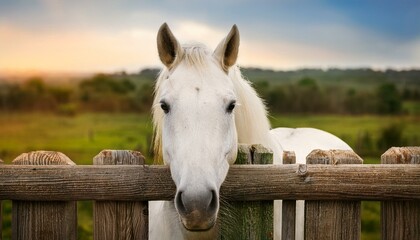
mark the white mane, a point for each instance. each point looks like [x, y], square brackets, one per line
[252, 125]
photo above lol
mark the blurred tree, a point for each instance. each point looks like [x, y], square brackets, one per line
[143, 98]
[36, 96]
[389, 99]
[359, 102]
[262, 88]
[102, 83]
[391, 136]
[35, 85]
[309, 83]
[364, 144]
[61, 94]
[277, 100]
[106, 93]
[308, 97]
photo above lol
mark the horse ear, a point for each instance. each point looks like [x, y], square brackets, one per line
[227, 50]
[168, 47]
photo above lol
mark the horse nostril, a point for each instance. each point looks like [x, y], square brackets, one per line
[179, 203]
[197, 210]
[213, 202]
[206, 203]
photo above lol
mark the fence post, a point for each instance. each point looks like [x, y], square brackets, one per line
[288, 206]
[332, 219]
[401, 219]
[248, 220]
[47, 220]
[120, 219]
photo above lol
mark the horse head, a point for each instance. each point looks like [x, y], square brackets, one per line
[194, 113]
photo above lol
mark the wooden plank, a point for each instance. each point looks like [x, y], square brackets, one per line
[332, 219]
[288, 222]
[251, 220]
[244, 155]
[401, 219]
[120, 219]
[33, 220]
[244, 182]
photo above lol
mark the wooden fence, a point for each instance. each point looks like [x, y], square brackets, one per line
[332, 182]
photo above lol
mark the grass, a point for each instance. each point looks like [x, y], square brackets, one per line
[80, 137]
[83, 136]
[411, 107]
[350, 128]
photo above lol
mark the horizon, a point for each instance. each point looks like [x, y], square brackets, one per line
[54, 36]
[62, 75]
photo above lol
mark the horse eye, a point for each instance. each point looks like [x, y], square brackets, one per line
[164, 106]
[231, 107]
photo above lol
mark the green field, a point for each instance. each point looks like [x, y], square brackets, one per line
[83, 136]
[80, 137]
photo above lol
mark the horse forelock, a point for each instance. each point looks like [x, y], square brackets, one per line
[196, 55]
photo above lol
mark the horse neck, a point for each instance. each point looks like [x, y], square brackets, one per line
[251, 115]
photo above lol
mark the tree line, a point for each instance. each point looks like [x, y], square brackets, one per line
[307, 96]
[99, 93]
[123, 92]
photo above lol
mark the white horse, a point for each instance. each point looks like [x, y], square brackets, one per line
[202, 109]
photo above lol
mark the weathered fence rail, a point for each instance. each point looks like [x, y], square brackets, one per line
[248, 183]
[121, 187]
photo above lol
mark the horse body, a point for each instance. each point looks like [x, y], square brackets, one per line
[198, 127]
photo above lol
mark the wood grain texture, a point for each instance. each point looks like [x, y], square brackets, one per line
[35, 220]
[332, 219]
[401, 219]
[248, 220]
[244, 154]
[288, 206]
[333, 157]
[401, 155]
[244, 182]
[261, 155]
[43, 158]
[119, 157]
[124, 220]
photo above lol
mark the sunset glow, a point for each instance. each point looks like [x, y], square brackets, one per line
[59, 36]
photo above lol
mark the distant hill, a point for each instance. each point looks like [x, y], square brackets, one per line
[355, 78]
[365, 78]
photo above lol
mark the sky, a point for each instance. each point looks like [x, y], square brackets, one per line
[107, 36]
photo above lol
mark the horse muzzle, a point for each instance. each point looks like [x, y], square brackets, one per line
[197, 211]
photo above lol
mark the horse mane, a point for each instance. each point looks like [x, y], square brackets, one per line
[251, 120]
[252, 125]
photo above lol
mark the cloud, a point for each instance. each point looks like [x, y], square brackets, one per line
[192, 31]
[89, 50]
[110, 36]
[77, 50]
[328, 45]
[412, 48]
